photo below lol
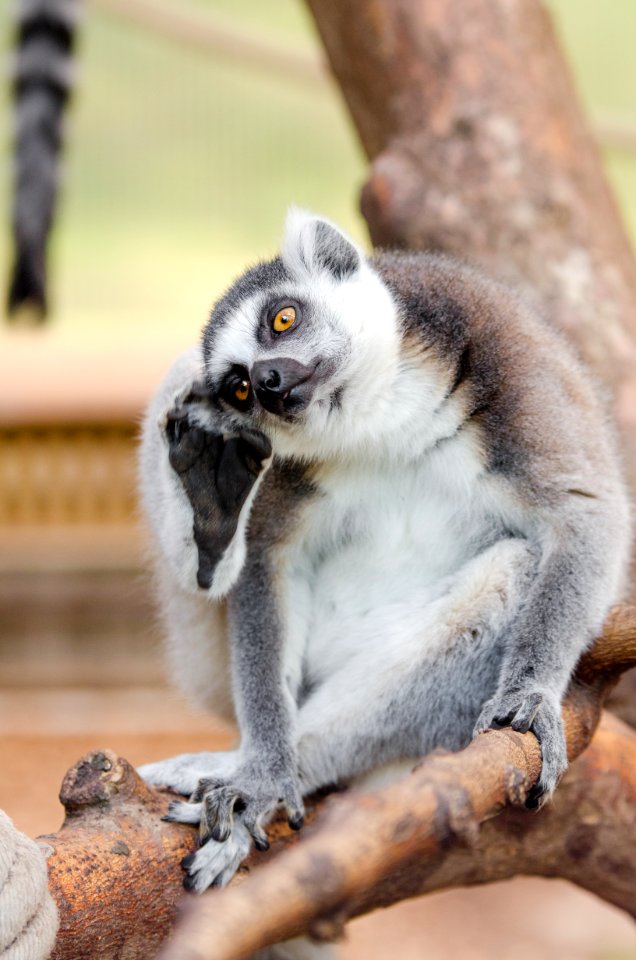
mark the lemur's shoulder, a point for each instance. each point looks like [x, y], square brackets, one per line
[528, 394]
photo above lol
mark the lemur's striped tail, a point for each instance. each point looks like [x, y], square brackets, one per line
[42, 82]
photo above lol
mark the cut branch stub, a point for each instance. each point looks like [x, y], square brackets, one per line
[114, 867]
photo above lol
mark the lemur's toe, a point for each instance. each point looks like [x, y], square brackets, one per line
[180, 811]
[218, 813]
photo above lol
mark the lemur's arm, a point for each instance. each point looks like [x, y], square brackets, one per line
[218, 474]
[264, 707]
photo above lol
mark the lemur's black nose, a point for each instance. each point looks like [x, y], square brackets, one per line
[278, 384]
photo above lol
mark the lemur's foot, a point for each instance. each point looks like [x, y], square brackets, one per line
[217, 470]
[214, 864]
[232, 813]
[539, 711]
[184, 772]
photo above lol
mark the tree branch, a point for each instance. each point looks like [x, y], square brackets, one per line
[422, 832]
[114, 866]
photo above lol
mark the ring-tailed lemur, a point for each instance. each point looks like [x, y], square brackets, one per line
[42, 83]
[389, 515]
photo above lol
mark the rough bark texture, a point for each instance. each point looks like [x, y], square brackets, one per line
[422, 834]
[115, 866]
[479, 148]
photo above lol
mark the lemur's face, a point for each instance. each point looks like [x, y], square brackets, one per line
[300, 346]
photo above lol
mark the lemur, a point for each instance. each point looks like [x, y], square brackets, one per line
[388, 513]
[42, 83]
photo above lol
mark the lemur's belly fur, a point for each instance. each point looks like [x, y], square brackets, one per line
[369, 568]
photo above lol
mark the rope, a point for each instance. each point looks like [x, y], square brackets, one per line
[28, 915]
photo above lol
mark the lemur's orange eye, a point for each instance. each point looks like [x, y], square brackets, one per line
[242, 392]
[284, 319]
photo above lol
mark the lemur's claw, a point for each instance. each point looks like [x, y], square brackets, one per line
[260, 841]
[296, 822]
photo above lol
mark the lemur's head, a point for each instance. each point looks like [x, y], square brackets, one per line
[302, 346]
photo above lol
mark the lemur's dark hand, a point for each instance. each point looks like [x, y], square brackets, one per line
[217, 472]
[254, 792]
[232, 813]
[539, 711]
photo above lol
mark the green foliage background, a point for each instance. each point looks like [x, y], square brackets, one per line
[180, 166]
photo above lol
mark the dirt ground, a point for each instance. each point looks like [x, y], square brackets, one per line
[524, 919]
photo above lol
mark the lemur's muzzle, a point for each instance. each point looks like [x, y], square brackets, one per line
[282, 385]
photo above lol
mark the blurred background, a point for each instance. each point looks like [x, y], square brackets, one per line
[193, 125]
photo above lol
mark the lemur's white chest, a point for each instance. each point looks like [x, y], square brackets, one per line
[379, 546]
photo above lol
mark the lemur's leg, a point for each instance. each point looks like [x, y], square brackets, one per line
[580, 568]
[420, 684]
[398, 698]
[233, 811]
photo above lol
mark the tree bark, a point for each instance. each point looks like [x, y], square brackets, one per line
[114, 866]
[422, 834]
[478, 148]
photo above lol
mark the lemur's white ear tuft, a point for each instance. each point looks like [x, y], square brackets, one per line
[314, 245]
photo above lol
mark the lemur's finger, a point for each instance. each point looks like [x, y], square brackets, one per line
[236, 473]
[255, 446]
[260, 838]
[256, 831]
[198, 391]
[205, 785]
[218, 815]
[524, 717]
[180, 811]
[294, 807]
[185, 441]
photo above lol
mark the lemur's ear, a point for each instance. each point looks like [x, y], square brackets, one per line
[312, 245]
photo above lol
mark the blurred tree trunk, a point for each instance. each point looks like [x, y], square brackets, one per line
[478, 148]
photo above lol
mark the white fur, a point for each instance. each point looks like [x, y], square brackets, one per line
[380, 587]
[218, 862]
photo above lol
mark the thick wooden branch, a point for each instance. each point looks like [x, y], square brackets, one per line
[422, 833]
[114, 865]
